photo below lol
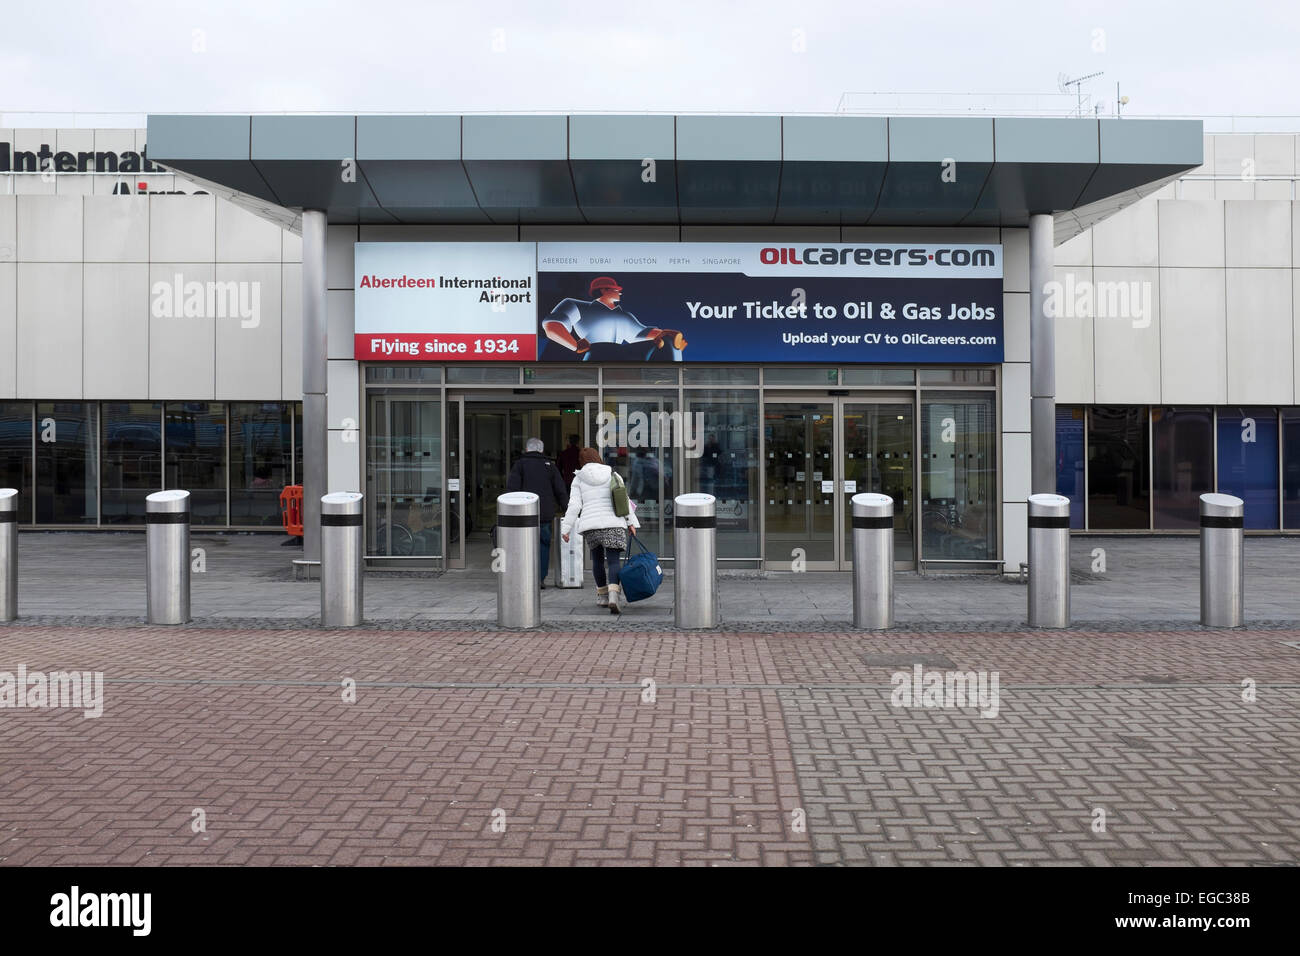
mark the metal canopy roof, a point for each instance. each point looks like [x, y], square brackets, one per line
[774, 170]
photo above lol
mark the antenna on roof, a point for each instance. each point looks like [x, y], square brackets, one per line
[1063, 83]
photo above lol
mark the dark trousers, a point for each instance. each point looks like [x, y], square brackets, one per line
[546, 550]
[605, 565]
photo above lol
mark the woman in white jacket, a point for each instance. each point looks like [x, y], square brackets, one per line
[591, 514]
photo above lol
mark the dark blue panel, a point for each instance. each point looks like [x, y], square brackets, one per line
[1248, 462]
[1291, 468]
[1069, 459]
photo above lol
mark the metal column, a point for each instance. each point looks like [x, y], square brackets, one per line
[315, 425]
[341, 582]
[873, 561]
[167, 556]
[695, 543]
[516, 560]
[1049, 561]
[1223, 568]
[1042, 355]
[8, 554]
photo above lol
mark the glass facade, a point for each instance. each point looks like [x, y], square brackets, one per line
[959, 501]
[1182, 456]
[1250, 452]
[726, 466]
[93, 463]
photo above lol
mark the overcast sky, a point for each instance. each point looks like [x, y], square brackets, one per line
[1190, 58]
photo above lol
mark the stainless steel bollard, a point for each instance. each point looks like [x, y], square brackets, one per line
[873, 561]
[1049, 561]
[695, 542]
[8, 554]
[1223, 569]
[167, 556]
[515, 560]
[341, 596]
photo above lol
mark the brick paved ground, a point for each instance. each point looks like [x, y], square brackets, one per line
[744, 730]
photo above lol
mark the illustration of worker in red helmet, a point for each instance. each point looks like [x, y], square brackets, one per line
[578, 325]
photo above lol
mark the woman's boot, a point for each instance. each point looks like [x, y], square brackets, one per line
[615, 595]
[602, 597]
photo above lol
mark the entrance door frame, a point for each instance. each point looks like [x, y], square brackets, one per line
[456, 400]
[843, 560]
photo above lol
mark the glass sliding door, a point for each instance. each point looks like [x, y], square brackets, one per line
[195, 435]
[878, 457]
[1118, 467]
[404, 485]
[725, 464]
[800, 483]
[636, 435]
[958, 520]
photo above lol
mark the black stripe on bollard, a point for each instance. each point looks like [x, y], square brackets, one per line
[704, 521]
[167, 517]
[1217, 521]
[340, 521]
[864, 521]
[519, 521]
[8, 516]
[1048, 521]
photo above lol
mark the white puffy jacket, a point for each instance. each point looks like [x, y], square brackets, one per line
[590, 503]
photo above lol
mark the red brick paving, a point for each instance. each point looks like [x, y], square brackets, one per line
[291, 774]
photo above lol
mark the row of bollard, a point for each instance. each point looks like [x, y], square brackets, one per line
[695, 595]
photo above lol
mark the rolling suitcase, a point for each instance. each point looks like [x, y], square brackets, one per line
[570, 561]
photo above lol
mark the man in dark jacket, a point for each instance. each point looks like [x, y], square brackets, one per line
[536, 473]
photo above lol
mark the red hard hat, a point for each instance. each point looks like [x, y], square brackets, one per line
[604, 282]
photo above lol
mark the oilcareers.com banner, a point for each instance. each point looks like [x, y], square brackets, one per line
[681, 302]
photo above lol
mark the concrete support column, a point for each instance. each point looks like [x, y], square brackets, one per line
[1042, 357]
[315, 425]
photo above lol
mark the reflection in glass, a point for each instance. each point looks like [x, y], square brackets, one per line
[726, 464]
[1248, 462]
[196, 457]
[799, 438]
[878, 457]
[132, 459]
[16, 454]
[259, 461]
[1291, 468]
[958, 476]
[66, 480]
[636, 438]
[404, 475]
[1182, 464]
[1069, 459]
[1118, 480]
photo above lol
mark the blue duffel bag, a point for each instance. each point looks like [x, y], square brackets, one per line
[641, 575]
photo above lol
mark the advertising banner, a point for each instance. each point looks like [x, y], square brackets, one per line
[855, 303]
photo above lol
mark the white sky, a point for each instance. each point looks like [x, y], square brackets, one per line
[1191, 58]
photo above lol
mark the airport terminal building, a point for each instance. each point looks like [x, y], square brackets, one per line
[780, 311]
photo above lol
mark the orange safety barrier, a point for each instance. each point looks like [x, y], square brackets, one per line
[291, 510]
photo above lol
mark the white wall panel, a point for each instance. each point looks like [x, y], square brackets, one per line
[1257, 234]
[182, 228]
[1273, 189]
[116, 228]
[1193, 346]
[1015, 326]
[1015, 536]
[291, 332]
[8, 330]
[115, 327]
[344, 464]
[344, 399]
[290, 246]
[1131, 237]
[49, 330]
[1076, 251]
[1275, 154]
[339, 243]
[182, 350]
[1127, 345]
[1015, 251]
[49, 228]
[248, 362]
[1191, 233]
[1234, 189]
[1196, 189]
[1074, 345]
[8, 228]
[1017, 467]
[244, 237]
[340, 325]
[1261, 346]
[1015, 397]
[1231, 150]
